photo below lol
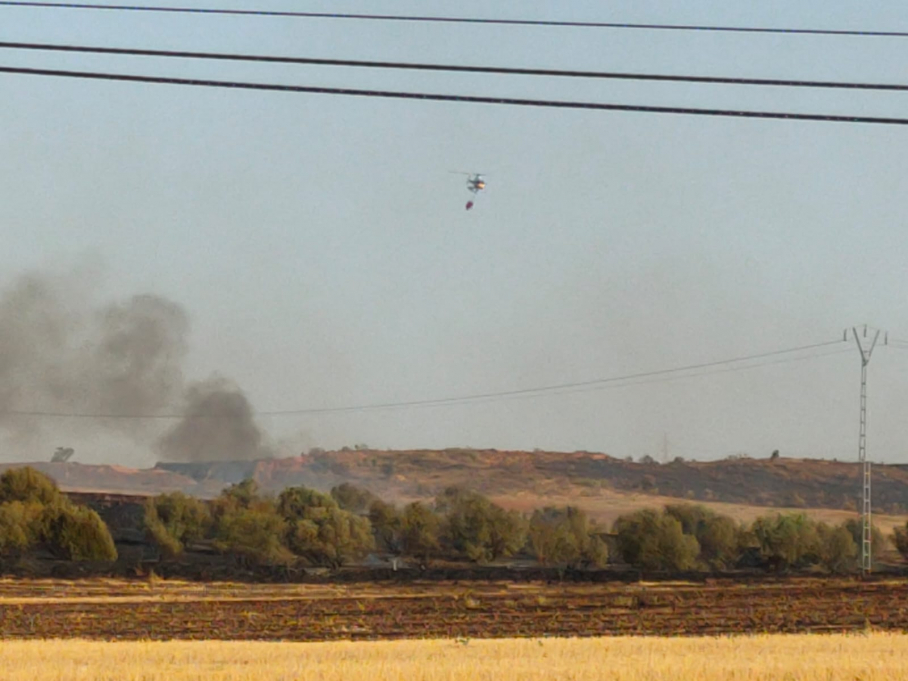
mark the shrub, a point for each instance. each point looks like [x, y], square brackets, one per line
[477, 529]
[16, 533]
[717, 535]
[77, 533]
[320, 531]
[837, 550]
[564, 536]
[420, 529]
[387, 525]
[255, 534]
[786, 541]
[27, 485]
[653, 540]
[174, 520]
[900, 540]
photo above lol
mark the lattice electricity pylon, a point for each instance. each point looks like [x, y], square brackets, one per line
[865, 347]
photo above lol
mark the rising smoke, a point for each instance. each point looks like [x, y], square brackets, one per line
[217, 424]
[63, 353]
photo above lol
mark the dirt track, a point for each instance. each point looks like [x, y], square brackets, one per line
[134, 610]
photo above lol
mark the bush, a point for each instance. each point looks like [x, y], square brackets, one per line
[16, 531]
[420, 530]
[28, 485]
[477, 529]
[387, 525]
[717, 535]
[174, 520]
[837, 550]
[77, 533]
[320, 531]
[900, 540]
[653, 540]
[878, 540]
[255, 534]
[786, 541]
[564, 536]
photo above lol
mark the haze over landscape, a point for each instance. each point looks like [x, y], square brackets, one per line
[179, 251]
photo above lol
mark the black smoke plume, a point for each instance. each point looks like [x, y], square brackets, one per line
[218, 425]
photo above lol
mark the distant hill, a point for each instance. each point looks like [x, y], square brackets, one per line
[409, 474]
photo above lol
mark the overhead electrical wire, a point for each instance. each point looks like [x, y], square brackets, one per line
[674, 373]
[540, 23]
[416, 66]
[470, 99]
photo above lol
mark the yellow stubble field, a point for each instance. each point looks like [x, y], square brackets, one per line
[809, 657]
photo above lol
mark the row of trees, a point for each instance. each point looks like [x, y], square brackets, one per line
[344, 526]
[35, 515]
[302, 525]
[689, 537]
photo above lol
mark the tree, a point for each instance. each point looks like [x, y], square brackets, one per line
[478, 529]
[878, 540]
[786, 540]
[653, 540]
[564, 536]
[900, 540]
[174, 520]
[248, 525]
[387, 525]
[717, 535]
[320, 531]
[255, 534]
[78, 533]
[420, 529]
[16, 532]
[837, 550]
[28, 485]
[352, 498]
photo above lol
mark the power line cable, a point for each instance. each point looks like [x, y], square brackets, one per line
[613, 75]
[540, 23]
[625, 384]
[471, 99]
[534, 391]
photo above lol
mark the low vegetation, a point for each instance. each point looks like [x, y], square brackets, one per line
[35, 516]
[306, 527]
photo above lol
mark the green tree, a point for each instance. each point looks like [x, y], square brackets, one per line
[717, 535]
[174, 520]
[654, 540]
[477, 529]
[837, 550]
[320, 531]
[420, 531]
[254, 534]
[900, 540]
[16, 532]
[77, 533]
[565, 536]
[786, 540]
[387, 525]
[878, 540]
[246, 524]
[28, 485]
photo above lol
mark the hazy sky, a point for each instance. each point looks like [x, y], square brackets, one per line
[320, 248]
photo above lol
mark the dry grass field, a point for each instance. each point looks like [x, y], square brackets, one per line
[871, 657]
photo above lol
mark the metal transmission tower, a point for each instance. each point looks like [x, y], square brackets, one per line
[865, 347]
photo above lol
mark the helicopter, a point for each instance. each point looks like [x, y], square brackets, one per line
[475, 184]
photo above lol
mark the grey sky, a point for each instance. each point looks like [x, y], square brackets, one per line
[321, 251]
